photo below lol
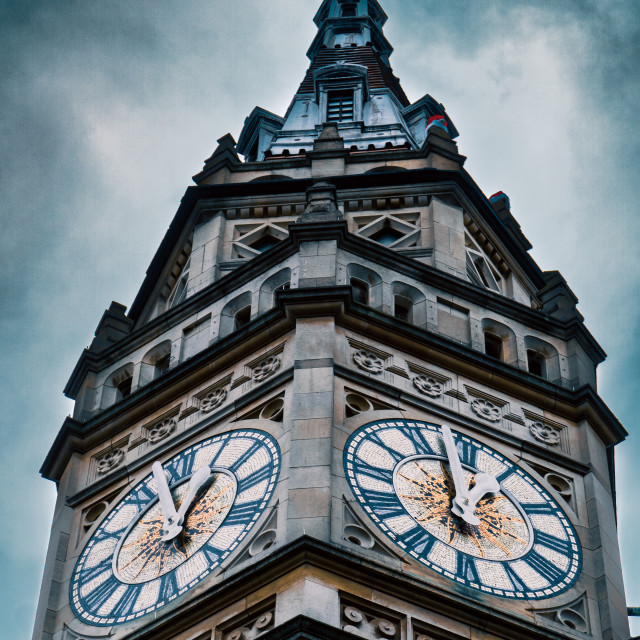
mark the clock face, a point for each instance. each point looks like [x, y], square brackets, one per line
[127, 570]
[520, 545]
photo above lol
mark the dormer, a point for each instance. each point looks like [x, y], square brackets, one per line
[341, 91]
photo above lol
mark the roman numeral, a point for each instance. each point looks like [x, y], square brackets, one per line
[255, 478]
[241, 514]
[252, 450]
[169, 586]
[420, 541]
[422, 446]
[467, 568]
[396, 455]
[141, 497]
[212, 554]
[87, 575]
[467, 453]
[551, 542]
[101, 594]
[538, 508]
[385, 504]
[518, 585]
[544, 567]
[124, 606]
[379, 474]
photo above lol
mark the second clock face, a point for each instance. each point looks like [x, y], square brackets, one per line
[520, 544]
[127, 570]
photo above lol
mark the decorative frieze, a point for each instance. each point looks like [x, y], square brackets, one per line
[368, 361]
[266, 368]
[161, 430]
[213, 400]
[486, 410]
[249, 626]
[544, 433]
[369, 623]
[428, 386]
[109, 461]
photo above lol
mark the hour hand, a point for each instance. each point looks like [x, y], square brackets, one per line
[171, 527]
[197, 480]
[465, 501]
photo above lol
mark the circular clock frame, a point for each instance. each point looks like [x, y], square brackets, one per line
[549, 563]
[250, 457]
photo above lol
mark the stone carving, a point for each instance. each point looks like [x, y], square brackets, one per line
[574, 615]
[109, 461]
[368, 361]
[486, 410]
[161, 430]
[428, 386]
[213, 400]
[266, 368]
[273, 410]
[544, 433]
[368, 625]
[251, 629]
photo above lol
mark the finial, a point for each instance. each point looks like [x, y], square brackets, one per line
[321, 204]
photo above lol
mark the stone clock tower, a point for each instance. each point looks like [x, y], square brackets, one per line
[345, 402]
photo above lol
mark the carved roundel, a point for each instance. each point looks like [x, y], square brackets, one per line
[134, 564]
[514, 541]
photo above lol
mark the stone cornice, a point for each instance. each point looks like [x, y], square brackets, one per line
[335, 301]
[310, 555]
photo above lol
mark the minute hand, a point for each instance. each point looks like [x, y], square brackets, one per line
[459, 481]
[464, 503]
[166, 503]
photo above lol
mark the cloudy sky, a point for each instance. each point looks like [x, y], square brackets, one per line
[108, 108]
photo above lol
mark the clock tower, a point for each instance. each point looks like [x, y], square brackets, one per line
[345, 402]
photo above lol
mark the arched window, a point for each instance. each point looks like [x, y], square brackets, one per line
[366, 285]
[359, 290]
[542, 359]
[117, 386]
[402, 308]
[155, 363]
[493, 345]
[277, 282]
[235, 314]
[409, 304]
[499, 341]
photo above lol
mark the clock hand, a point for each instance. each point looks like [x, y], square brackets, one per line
[459, 481]
[484, 483]
[197, 480]
[169, 513]
[465, 502]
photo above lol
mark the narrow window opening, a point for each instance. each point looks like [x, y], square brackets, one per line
[536, 363]
[124, 388]
[340, 106]
[349, 11]
[492, 345]
[264, 243]
[242, 317]
[360, 291]
[179, 292]
[162, 365]
[402, 308]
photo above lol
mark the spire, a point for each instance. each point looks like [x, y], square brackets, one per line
[350, 83]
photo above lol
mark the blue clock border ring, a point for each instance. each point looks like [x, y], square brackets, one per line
[99, 598]
[525, 546]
